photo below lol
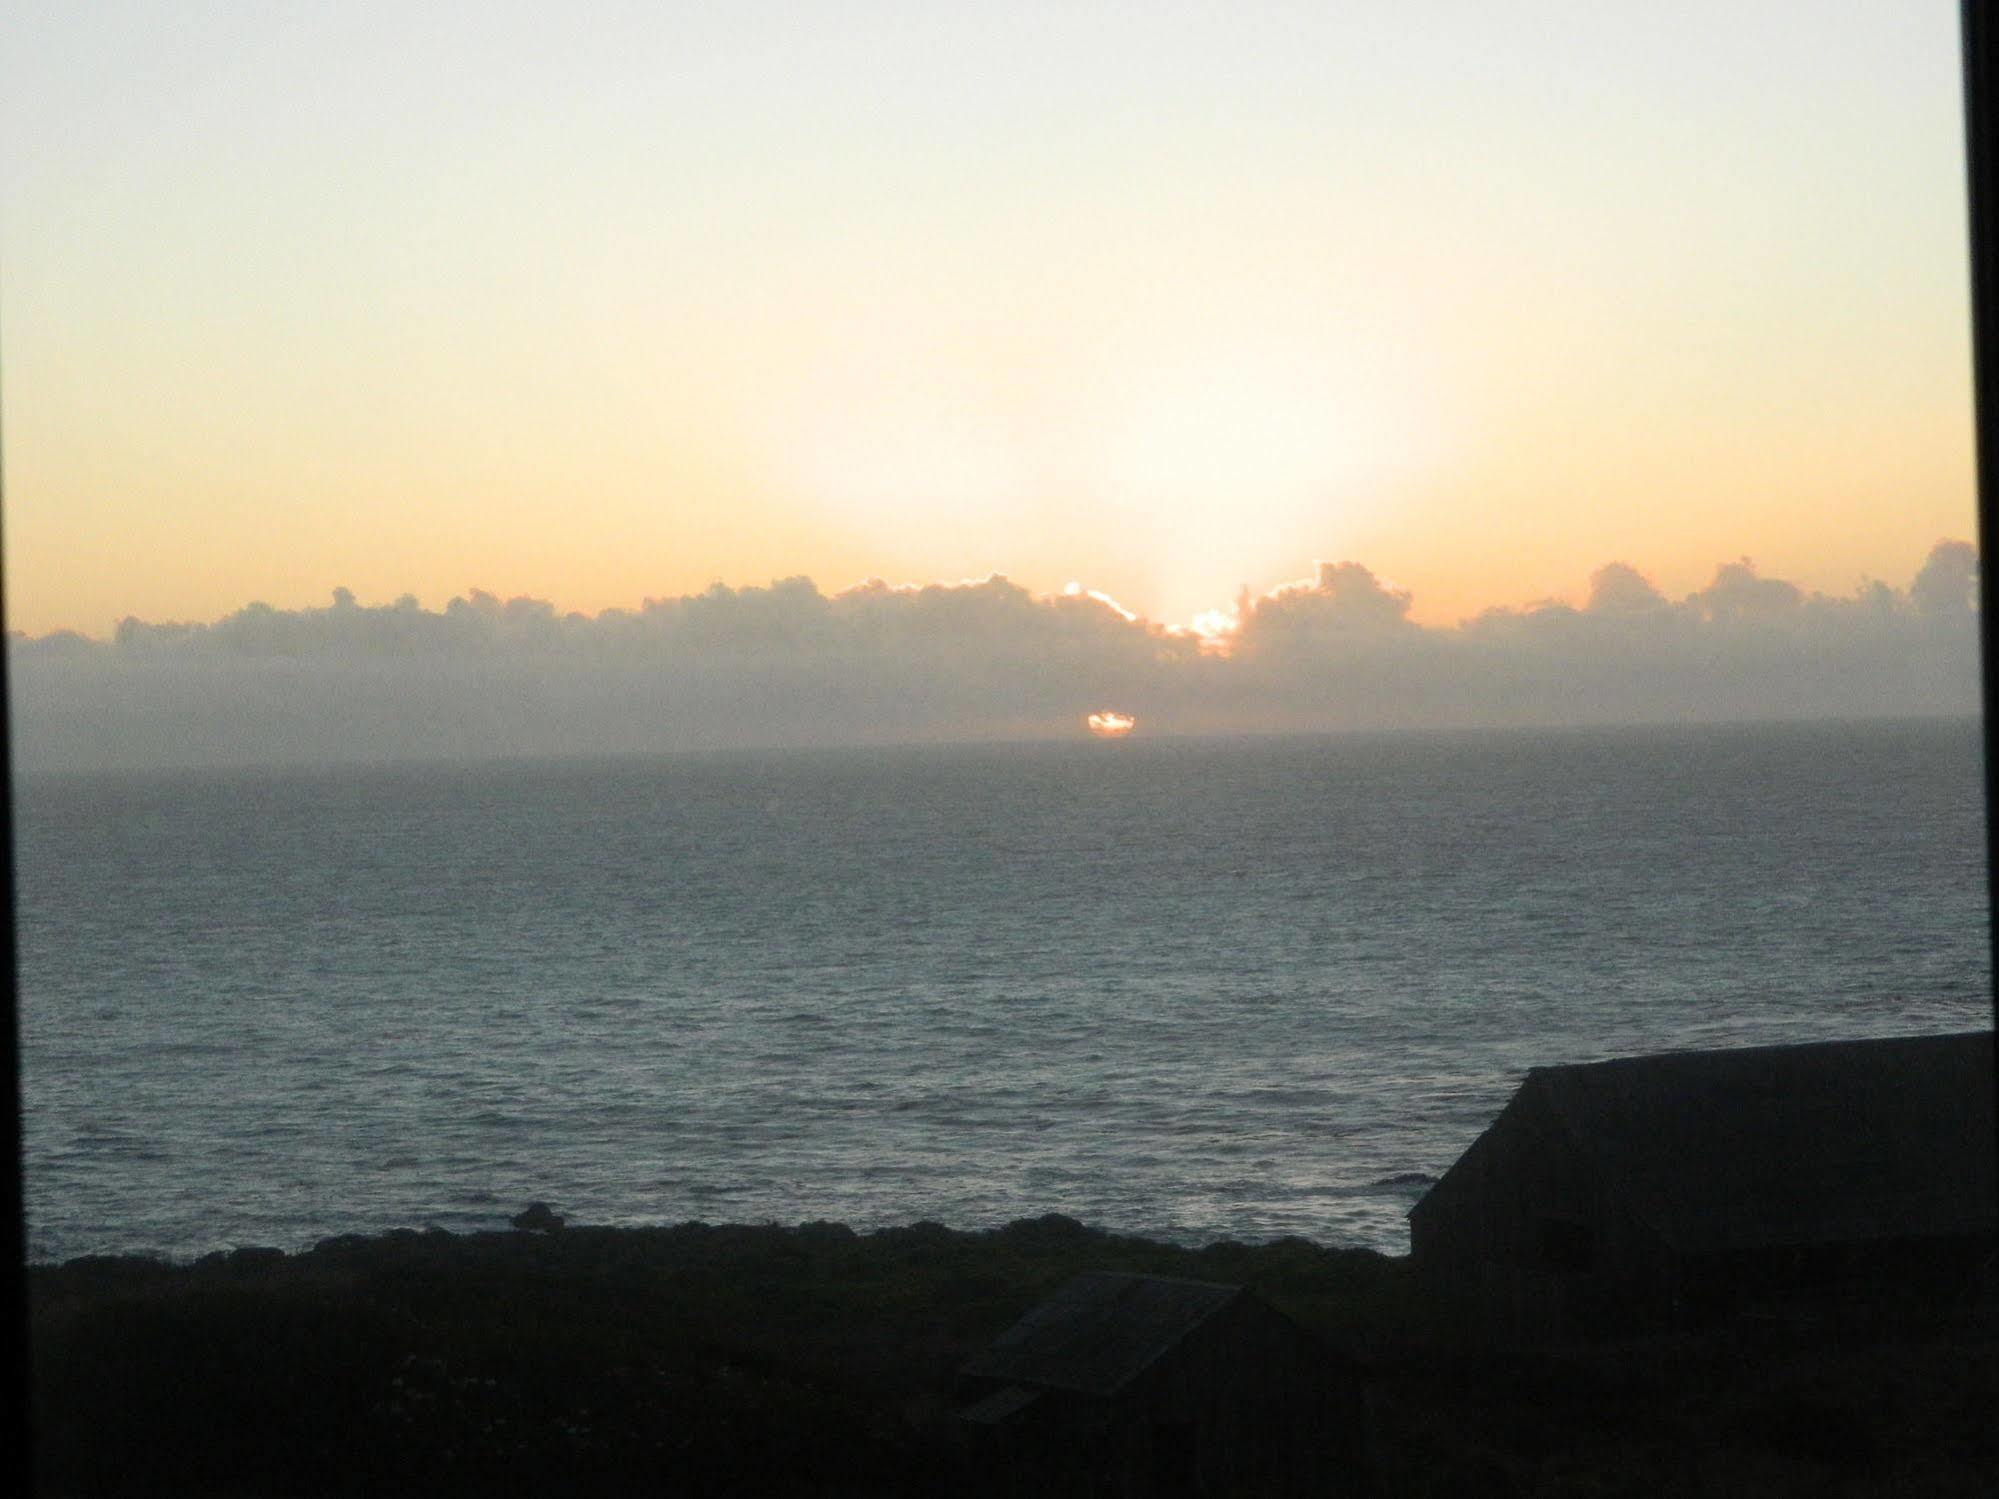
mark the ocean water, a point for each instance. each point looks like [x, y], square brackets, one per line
[1191, 989]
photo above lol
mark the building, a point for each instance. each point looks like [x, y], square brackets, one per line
[1144, 1384]
[1677, 1190]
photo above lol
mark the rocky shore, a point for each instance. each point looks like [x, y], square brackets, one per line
[815, 1360]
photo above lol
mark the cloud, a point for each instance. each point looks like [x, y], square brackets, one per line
[1346, 599]
[1618, 588]
[1947, 586]
[787, 664]
[1737, 593]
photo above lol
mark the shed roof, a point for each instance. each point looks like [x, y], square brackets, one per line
[1099, 1331]
[1824, 1143]
[1001, 1406]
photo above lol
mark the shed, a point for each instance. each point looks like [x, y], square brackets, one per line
[1158, 1385]
[1675, 1190]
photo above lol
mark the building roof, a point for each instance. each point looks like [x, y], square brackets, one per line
[1001, 1406]
[1825, 1143]
[1099, 1331]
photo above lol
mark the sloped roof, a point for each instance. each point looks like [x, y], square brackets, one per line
[1824, 1143]
[1099, 1331]
[1001, 1406]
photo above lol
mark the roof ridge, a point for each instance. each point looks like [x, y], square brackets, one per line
[1827, 1042]
[1099, 1330]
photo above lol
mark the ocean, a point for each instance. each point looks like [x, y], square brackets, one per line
[1191, 989]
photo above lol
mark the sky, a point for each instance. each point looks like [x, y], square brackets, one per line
[611, 303]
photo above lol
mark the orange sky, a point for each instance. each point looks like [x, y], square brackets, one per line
[412, 300]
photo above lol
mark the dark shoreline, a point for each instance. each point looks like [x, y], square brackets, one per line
[815, 1360]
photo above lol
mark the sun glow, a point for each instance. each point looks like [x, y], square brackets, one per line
[1110, 724]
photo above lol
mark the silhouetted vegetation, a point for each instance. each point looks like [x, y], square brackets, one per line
[813, 1360]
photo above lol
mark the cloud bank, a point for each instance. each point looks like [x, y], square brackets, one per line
[789, 665]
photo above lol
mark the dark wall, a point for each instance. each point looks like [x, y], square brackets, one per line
[1894, 1281]
[1525, 1241]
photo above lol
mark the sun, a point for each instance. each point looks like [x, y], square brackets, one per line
[1111, 724]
